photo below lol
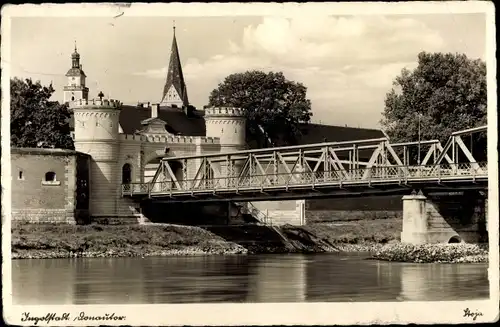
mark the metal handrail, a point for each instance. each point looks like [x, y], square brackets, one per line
[388, 173]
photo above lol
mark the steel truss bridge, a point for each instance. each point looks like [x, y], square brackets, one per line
[341, 169]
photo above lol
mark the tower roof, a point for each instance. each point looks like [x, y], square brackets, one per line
[75, 54]
[175, 76]
[76, 67]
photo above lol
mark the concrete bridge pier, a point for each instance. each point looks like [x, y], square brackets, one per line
[414, 219]
[450, 217]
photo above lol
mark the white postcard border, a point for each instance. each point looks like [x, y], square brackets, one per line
[261, 313]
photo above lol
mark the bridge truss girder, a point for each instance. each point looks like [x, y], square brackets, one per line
[351, 160]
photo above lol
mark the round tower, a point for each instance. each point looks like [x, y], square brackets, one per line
[96, 133]
[229, 125]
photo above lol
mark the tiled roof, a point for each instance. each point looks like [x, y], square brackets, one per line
[132, 116]
[75, 72]
[317, 133]
[174, 75]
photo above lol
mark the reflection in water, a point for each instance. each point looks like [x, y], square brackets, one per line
[277, 279]
[259, 278]
[443, 282]
[43, 281]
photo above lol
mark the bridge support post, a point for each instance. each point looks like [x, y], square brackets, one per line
[444, 217]
[414, 219]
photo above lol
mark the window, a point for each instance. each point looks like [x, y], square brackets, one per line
[20, 176]
[126, 174]
[50, 179]
[72, 98]
[50, 176]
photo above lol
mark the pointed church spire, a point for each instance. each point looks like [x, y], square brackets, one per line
[174, 91]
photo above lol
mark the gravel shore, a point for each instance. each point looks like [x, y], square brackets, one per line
[433, 253]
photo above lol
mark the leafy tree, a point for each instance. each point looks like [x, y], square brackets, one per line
[271, 102]
[35, 121]
[445, 93]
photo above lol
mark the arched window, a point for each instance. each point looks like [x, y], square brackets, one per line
[126, 174]
[50, 176]
[72, 98]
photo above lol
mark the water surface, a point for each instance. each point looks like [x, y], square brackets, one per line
[253, 278]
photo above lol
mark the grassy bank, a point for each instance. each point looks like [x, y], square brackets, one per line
[379, 231]
[379, 238]
[63, 241]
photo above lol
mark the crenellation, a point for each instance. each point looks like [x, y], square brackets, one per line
[169, 139]
[224, 112]
[95, 104]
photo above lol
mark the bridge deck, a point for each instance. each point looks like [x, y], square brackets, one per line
[362, 166]
[259, 187]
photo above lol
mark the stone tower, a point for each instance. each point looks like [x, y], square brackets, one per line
[174, 91]
[228, 124]
[96, 133]
[75, 88]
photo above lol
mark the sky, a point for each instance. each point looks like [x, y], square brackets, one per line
[347, 63]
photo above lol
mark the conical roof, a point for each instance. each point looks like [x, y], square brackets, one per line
[175, 76]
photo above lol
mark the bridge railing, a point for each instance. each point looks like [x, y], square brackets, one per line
[400, 174]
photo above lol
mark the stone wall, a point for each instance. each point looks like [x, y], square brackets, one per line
[327, 210]
[36, 199]
[462, 214]
[444, 218]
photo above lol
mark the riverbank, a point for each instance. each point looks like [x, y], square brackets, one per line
[40, 241]
[379, 239]
[65, 241]
[433, 253]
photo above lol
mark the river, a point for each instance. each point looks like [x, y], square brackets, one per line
[252, 278]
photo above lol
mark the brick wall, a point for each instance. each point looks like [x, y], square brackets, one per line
[39, 201]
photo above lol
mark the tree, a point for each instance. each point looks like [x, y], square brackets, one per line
[271, 102]
[35, 121]
[444, 94]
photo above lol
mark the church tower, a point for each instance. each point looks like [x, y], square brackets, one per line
[75, 88]
[174, 92]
